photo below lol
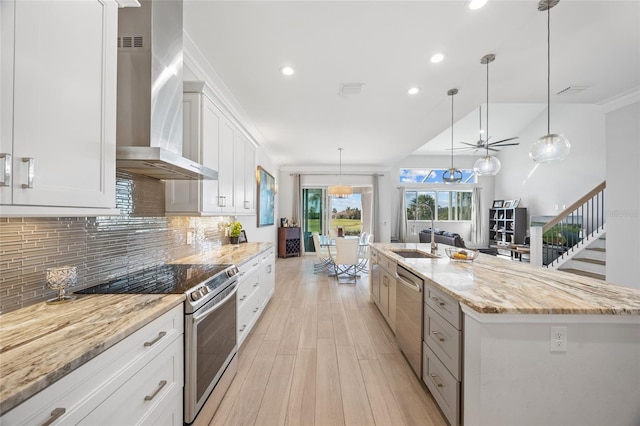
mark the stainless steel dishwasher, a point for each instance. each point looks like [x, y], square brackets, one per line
[409, 309]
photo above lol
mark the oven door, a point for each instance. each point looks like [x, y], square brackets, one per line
[210, 345]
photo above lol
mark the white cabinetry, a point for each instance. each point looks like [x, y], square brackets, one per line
[210, 138]
[58, 121]
[267, 275]
[256, 283]
[137, 381]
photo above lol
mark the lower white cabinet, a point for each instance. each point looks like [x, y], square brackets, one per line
[139, 380]
[256, 283]
[384, 289]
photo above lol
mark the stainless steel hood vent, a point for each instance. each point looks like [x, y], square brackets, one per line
[149, 121]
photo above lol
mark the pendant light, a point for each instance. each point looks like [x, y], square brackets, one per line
[550, 147]
[340, 190]
[488, 165]
[452, 175]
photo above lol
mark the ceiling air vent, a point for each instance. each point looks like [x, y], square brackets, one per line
[349, 89]
[572, 90]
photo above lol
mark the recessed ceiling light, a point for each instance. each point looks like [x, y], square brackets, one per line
[438, 57]
[287, 70]
[477, 4]
[413, 91]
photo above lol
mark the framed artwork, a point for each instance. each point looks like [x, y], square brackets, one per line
[242, 238]
[516, 202]
[266, 197]
[497, 203]
[507, 204]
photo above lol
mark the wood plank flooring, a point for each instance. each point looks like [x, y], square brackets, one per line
[322, 354]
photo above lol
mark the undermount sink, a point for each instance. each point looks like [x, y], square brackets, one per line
[415, 254]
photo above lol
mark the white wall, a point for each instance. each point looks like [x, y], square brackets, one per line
[545, 188]
[623, 195]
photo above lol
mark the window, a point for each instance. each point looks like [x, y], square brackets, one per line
[447, 205]
[432, 176]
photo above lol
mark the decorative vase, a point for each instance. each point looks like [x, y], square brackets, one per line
[233, 240]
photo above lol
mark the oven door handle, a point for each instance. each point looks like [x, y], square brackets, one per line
[200, 316]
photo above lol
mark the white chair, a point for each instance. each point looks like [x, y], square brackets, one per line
[363, 262]
[346, 258]
[363, 238]
[322, 253]
[333, 234]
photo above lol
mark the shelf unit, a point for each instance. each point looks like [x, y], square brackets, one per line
[507, 225]
[288, 241]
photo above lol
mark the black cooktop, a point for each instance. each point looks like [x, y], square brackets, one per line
[163, 279]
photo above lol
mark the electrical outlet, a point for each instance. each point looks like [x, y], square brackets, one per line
[189, 238]
[558, 340]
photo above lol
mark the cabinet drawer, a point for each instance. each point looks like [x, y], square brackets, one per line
[443, 386]
[247, 314]
[145, 392]
[247, 286]
[387, 263]
[268, 254]
[248, 267]
[445, 305]
[443, 339]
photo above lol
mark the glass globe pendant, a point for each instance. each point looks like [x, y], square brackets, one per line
[550, 147]
[487, 165]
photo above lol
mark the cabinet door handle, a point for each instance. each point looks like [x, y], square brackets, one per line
[6, 170]
[30, 172]
[435, 333]
[55, 415]
[243, 327]
[256, 310]
[247, 205]
[433, 376]
[269, 269]
[153, 395]
[157, 339]
[222, 201]
[243, 297]
[256, 284]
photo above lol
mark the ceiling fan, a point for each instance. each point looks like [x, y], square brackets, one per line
[481, 143]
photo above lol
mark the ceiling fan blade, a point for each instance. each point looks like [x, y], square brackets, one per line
[503, 140]
[508, 144]
[470, 144]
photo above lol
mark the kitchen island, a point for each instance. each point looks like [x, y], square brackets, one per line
[511, 371]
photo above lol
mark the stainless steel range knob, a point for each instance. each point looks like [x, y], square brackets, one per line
[196, 295]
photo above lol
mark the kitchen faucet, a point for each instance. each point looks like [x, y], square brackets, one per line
[434, 245]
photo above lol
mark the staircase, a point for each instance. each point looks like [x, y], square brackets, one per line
[589, 261]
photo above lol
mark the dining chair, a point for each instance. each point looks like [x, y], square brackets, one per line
[322, 253]
[333, 234]
[363, 257]
[346, 258]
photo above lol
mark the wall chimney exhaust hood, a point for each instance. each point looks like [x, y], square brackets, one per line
[149, 120]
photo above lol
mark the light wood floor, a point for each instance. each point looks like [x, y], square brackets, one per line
[322, 354]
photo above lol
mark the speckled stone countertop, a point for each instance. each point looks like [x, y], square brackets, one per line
[492, 285]
[228, 253]
[41, 343]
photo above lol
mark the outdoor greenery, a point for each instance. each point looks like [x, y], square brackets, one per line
[451, 205]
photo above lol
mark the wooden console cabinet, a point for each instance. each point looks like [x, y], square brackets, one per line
[288, 241]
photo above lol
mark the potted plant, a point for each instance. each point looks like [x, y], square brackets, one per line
[234, 232]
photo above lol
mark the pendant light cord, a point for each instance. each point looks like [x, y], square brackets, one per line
[548, 69]
[487, 134]
[452, 132]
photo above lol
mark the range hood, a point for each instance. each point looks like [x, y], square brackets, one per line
[149, 120]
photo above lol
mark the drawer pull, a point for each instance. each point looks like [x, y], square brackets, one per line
[256, 284]
[153, 395]
[157, 339]
[243, 327]
[438, 301]
[433, 376]
[243, 297]
[255, 264]
[55, 415]
[256, 310]
[435, 333]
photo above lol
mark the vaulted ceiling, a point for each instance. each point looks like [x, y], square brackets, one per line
[386, 45]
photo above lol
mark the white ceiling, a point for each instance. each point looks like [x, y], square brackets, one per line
[387, 45]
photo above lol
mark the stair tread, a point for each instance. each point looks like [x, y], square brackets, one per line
[594, 261]
[596, 249]
[585, 273]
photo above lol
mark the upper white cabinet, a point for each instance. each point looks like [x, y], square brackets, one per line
[58, 114]
[211, 139]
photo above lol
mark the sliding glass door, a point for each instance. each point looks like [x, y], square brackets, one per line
[313, 212]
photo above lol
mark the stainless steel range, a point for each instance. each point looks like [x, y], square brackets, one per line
[210, 324]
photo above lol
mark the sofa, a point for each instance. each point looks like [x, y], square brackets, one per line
[442, 237]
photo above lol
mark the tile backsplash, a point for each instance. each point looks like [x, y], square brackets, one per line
[100, 247]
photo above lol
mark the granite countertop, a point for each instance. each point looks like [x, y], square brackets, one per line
[494, 285]
[41, 343]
